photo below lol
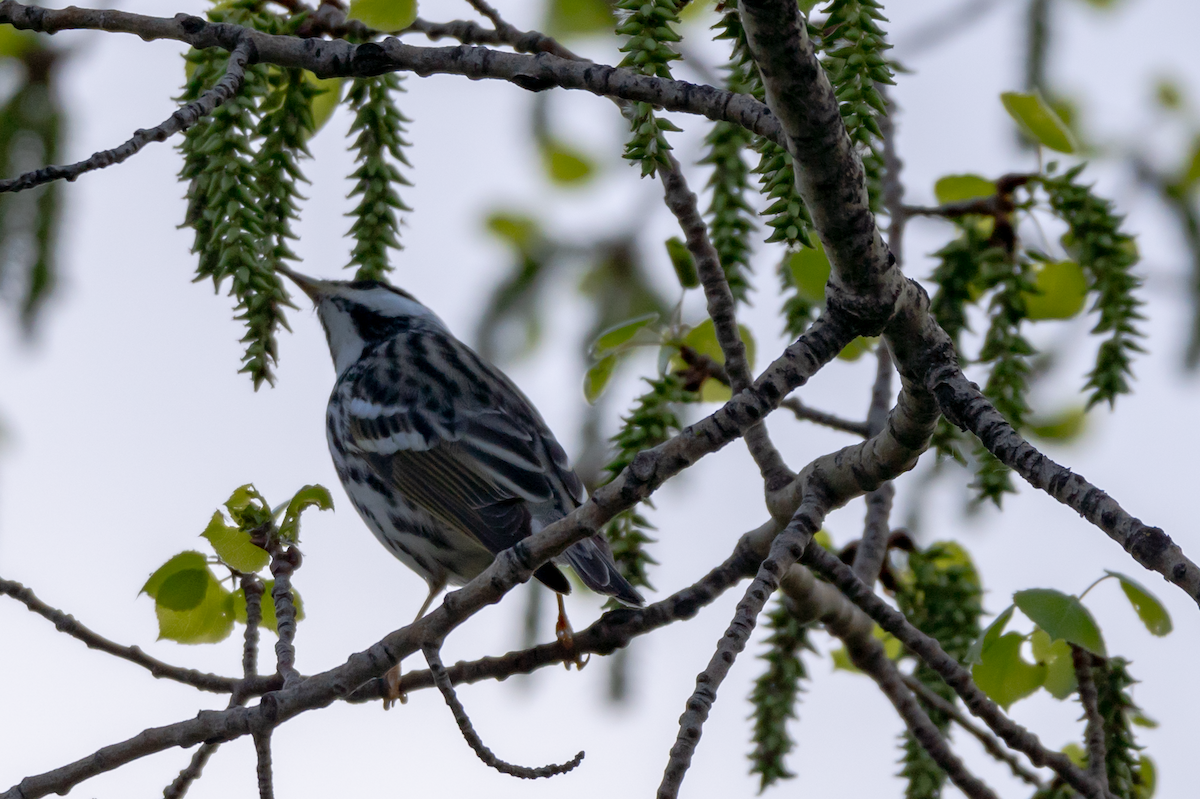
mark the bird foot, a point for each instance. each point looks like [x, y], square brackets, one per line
[391, 682]
[566, 637]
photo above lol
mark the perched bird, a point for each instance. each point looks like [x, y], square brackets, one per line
[445, 459]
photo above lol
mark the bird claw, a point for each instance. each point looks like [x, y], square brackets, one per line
[566, 637]
[391, 682]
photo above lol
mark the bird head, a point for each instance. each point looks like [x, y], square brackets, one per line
[357, 314]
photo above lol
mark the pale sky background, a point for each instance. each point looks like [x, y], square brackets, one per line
[127, 424]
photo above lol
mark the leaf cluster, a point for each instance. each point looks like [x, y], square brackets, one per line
[775, 694]
[650, 26]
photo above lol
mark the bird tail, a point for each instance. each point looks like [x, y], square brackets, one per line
[592, 560]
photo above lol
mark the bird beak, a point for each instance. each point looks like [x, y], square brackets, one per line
[310, 286]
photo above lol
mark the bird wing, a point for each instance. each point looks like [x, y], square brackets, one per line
[475, 470]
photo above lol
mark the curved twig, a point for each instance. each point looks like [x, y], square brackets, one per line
[229, 85]
[442, 681]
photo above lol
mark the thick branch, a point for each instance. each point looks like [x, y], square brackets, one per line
[229, 85]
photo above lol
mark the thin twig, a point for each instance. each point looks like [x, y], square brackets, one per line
[1090, 699]
[868, 654]
[991, 744]
[252, 589]
[442, 680]
[66, 623]
[229, 85]
[195, 767]
[682, 202]
[785, 550]
[957, 677]
[284, 562]
[263, 770]
[822, 418]
[872, 550]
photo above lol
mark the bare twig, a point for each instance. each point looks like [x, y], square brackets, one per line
[195, 767]
[442, 680]
[263, 770]
[252, 588]
[785, 550]
[957, 677]
[283, 563]
[990, 743]
[869, 557]
[824, 419]
[66, 623]
[229, 85]
[1097, 757]
[681, 200]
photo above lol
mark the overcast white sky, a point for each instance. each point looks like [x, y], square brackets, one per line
[127, 424]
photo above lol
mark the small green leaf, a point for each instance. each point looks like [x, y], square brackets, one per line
[857, 348]
[208, 622]
[1062, 616]
[703, 339]
[1168, 94]
[957, 188]
[1191, 173]
[384, 15]
[892, 645]
[520, 231]
[233, 546]
[1033, 113]
[15, 43]
[241, 498]
[1076, 754]
[990, 635]
[1064, 427]
[596, 379]
[1060, 666]
[184, 561]
[183, 590]
[568, 18]
[1142, 720]
[1061, 291]
[1004, 675]
[683, 262]
[810, 272]
[564, 164]
[842, 662]
[823, 539]
[1149, 609]
[324, 104]
[1147, 778]
[618, 335]
[307, 497]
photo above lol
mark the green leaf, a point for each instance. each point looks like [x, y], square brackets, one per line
[957, 188]
[1152, 612]
[269, 620]
[990, 635]
[233, 546]
[1004, 675]
[703, 339]
[810, 272]
[596, 379]
[618, 335]
[564, 164]
[324, 103]
[1168, 94]
[842, 662]
[209, 622]
[184, 561]
[1062, 616]
[567, 18]
[857, 347]
[1060, 667]
[892, 645]
[520, 231]
[683, 262]
[1142, 720]
[311, 496]
[1038, 119]
[384, 15]
[1148, 776]
[15, 43]
[183, 590]
[1191, 174]
[241, 498]
[1061, 291]
[1065, 426]
[1076, 754]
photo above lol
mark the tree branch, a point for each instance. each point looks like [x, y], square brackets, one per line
[442, 680]
[1081, 659]
[869, 557]
[66, 623]
[229, 85]
[804, 412]
[990, 743]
